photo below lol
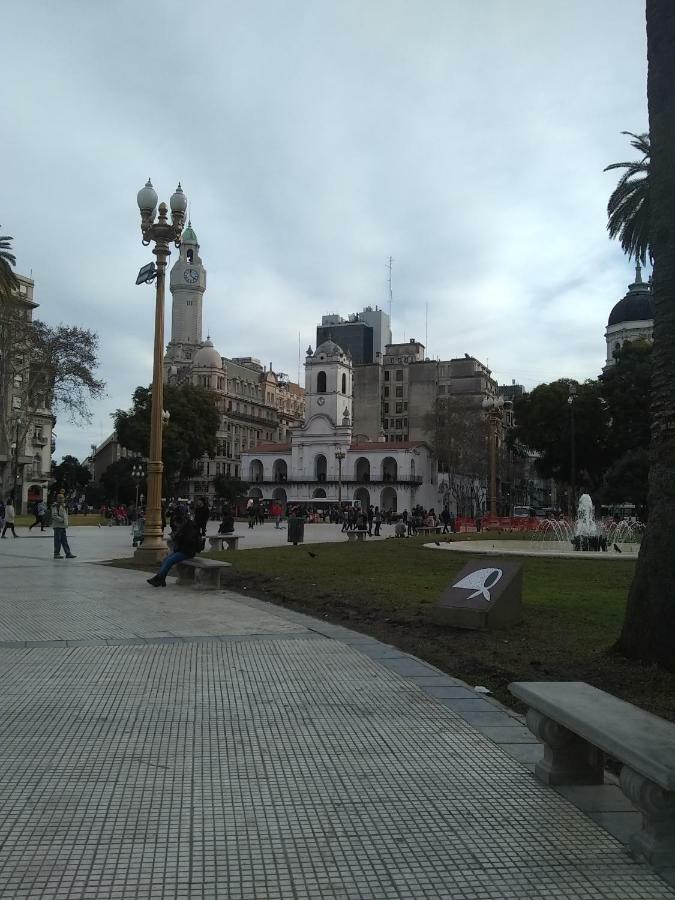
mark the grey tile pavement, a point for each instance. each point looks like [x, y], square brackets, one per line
[215, 746]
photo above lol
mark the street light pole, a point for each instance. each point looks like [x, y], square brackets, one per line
[138, 475]
[162, 233]
[493, 408]
[340, 455]
[15, 482]
[573, 488]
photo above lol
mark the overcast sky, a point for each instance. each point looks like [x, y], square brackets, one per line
[314, 140]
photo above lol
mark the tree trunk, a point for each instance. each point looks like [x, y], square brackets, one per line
[649, 626]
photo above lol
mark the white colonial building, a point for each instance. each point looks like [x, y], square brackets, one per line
[324, 459]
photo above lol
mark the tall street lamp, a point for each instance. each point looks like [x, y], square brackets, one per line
[138, 474]
[340, 455]
[493, 409]
[15, 482]
[573, 487]
[162, 232]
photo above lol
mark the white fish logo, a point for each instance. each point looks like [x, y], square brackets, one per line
[482, 580]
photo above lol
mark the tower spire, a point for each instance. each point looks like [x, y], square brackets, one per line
[638, 271]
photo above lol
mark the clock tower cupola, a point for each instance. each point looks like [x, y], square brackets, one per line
[187, 284]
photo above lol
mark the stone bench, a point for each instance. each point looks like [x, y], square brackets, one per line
[579, 724]
[202, 572]
[428, 529]
[232, 540]
[358, 534]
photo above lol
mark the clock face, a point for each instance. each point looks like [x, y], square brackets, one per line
[191, 276]
[320, 401]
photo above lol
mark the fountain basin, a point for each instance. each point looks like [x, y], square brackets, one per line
[555, 549]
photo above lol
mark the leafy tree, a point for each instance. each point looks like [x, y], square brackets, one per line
[229, 488]
[117, 483]
[94, 494]
[628, 210]
[544, 424]
[8, 280]
[627, 480]
[649, 626]
[69, 476]
[626, 388]
[188, 436]
[44, 370]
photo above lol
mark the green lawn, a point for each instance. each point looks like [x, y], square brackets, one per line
[91, 519]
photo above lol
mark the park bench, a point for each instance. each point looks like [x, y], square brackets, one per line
[579, 725]
[232, 540]
[428, 529]
[204, 572]
[358, 534]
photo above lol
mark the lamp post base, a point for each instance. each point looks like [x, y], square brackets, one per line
[150, 556]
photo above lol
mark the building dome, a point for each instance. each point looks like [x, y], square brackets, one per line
[207, 357]
[189, 235]
[328, 348]
[636, 306]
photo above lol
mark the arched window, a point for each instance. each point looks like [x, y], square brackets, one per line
[344, 384]
[189, 256]
[321, 383]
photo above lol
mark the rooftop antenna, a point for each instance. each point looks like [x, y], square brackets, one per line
[389, 285]
[426, 329]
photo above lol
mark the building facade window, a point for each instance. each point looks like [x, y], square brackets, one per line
[321, 383]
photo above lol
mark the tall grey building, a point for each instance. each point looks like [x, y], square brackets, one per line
[364, 335]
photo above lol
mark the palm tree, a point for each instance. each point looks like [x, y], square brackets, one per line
[629, 207]
[8, 280]
[649, 626]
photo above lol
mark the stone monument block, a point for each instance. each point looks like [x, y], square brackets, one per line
[487, 593]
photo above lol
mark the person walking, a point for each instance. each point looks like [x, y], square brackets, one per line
[187, 542]
[201, 516]
[60, 524]
[378, 521]
[371, 515]
[40, 510]
[9, 517]
[445, 519]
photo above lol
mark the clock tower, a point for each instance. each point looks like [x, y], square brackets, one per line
[187, 284]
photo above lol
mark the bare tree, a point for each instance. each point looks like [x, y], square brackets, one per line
[44, 370]
[459, 441]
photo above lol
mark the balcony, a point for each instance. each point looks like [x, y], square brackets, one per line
[322, 480]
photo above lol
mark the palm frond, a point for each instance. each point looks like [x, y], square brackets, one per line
[628, 209]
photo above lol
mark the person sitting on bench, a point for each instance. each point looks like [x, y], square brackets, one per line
[187, 543]
[227, 524]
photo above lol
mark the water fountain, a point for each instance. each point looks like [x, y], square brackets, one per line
[586, 534]
[558, 537]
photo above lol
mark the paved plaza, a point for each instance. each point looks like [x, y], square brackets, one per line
[199, 744]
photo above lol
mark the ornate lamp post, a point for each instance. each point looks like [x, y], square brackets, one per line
[340, 455]
[138, 474]
[573, 487]
[493, 410]
[15, 480]
[162, 232]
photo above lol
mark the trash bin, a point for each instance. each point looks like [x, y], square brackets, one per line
[296, 530]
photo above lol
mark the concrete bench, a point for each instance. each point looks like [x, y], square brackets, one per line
[232, 540]
[428, 529]
[203, 572]
[579, 724]
[359, 534]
